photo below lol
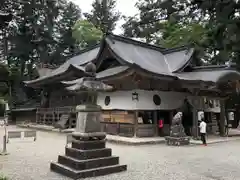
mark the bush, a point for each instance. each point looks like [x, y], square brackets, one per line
[2, 177]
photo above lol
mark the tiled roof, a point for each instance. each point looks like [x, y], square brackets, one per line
[149, 58]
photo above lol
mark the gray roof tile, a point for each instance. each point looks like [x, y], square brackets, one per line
[153, 59]
[148, 59]
[78, 60]
[112, 71]
[215, 76]
[177, 60]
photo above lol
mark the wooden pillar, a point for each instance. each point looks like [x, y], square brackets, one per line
[36, 118]
[37, 115]
[155, 122]
[170, 121]
[195, 119]
[70, 120]
[44, 118]
[58, 114]
[222, 118]
[135, 123]
[53, 116]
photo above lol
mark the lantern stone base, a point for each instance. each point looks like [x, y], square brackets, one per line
[177, 141]
[88, 157]
[89, 136]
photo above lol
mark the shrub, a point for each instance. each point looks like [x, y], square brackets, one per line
[2, 177]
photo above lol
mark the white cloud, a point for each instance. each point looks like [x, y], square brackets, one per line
[126, 7]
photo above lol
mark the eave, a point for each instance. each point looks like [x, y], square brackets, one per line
[71, 70]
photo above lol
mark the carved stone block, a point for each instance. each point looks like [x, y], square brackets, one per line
[177, 141]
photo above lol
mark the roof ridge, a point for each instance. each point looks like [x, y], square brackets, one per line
[175, 49]
[146, 45]
[210, 67]
[89, 48]
[135, 42]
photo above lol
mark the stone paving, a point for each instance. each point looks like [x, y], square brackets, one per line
[29, 160]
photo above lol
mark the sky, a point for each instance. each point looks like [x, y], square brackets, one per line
[126, 7]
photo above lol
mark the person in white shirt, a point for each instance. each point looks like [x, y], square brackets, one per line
[203, 128]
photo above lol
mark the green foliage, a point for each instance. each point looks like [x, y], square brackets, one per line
[104, 15]
[175, 35]
[66, 45]
[216, 22]
[2, 177]
[41, 32]
[86, 33]
[179, 34]
[147, 23]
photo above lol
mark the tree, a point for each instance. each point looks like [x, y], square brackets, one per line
[41, 31]
[104, 15]
[66, 45]
[220, 20]
[147, 23]
[86, 33]
[193, 34]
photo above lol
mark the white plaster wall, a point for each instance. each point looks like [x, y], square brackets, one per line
[122, 100]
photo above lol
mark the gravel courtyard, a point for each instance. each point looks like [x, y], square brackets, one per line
[30, 160]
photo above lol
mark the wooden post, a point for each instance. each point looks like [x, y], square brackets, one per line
[155, 122]
[58, 115]
[135, 123]
[222, 118]
[170, 121]
[44, 118]
[195, 118]
[37, 116]
[53, 116]
[70, 120]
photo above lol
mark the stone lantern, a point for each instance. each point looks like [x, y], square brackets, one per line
[88, 155]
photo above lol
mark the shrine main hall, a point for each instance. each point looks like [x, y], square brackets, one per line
[150, 84]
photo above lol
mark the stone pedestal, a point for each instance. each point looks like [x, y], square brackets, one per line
[177, 136]
[88, 155]
[177, 141]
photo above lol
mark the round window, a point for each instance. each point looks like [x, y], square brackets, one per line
[107, 100]
[156, 99]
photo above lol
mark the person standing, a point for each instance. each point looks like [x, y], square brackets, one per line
[203, 128]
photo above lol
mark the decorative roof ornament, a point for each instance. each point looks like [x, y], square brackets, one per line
[91, 69]
[87, 83]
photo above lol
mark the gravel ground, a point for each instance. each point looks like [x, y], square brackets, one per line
[30, 160]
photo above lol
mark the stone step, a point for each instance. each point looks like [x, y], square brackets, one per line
[75, 174]
[88, 154]
[89, 163]
[86, 145]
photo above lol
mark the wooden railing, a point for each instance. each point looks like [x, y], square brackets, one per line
[146, 130]
[121, 129]
[128, 130]
[50, 116]
[66, 109]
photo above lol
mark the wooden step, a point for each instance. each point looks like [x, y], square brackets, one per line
[75, 174]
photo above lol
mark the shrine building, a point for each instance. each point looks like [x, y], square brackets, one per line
[150, 84]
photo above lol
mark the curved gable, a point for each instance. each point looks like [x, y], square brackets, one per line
[179, 59]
